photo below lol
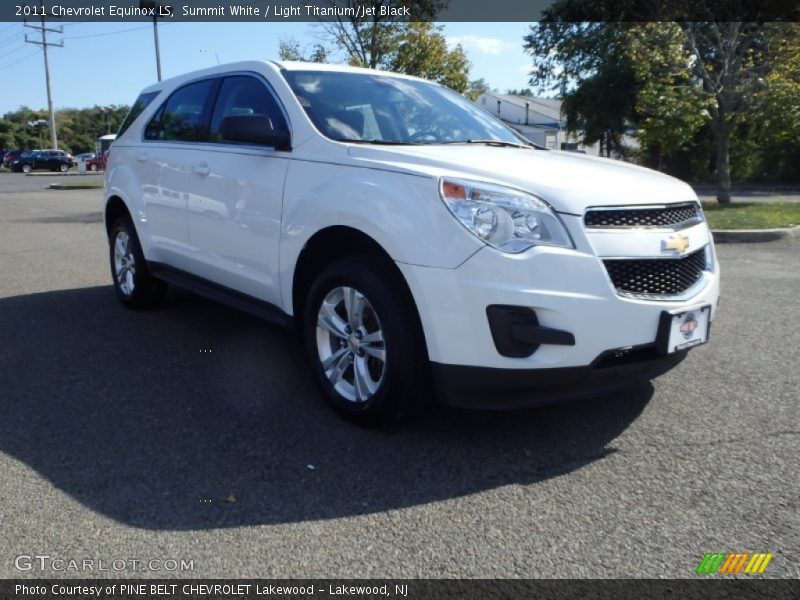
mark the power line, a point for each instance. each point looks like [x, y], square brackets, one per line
[7, 28]
[19, 61]
[93, 35]
[6, 53]
[10, 39]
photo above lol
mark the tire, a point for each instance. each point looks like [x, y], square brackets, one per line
[93, 168]
[63, 167]
[133, 283]
[26, 168]
[356, 382]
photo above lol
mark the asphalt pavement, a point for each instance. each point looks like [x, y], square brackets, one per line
[195, 433]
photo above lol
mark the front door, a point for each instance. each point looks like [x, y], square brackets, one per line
[235, 196]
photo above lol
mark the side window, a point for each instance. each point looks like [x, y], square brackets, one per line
[243, 95]
[182, 116]
[142, 102]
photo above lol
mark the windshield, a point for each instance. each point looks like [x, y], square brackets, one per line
[367, 108]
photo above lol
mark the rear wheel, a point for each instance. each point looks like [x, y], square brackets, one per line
[26, 168]
[135, 286]
[64, 167]
[364, 341]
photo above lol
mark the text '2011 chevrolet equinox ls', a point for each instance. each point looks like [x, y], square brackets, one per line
[411, 237]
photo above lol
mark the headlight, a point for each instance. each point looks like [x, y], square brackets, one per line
[508, 219]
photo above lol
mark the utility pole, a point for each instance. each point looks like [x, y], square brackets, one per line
[156, 8]
[158, 48]
[44, 44]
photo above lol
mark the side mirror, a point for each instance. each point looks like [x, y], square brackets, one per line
[254, 129]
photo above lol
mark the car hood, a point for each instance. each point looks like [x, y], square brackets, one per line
[568, 182]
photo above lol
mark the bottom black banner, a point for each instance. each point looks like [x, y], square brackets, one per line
[218, 589]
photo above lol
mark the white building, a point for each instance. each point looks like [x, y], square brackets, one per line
[537, 119]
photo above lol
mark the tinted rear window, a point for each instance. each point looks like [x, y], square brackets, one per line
[182, 117]
[142, 102]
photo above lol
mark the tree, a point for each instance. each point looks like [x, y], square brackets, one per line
[776, 124]
[592, 58]
[670, 106]
[372, 41]
[477, 87]
[422, 51]
[731, 60]
[289, 49]
[77, 128]
[527, 92]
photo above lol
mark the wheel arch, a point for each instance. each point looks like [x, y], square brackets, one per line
[114, 209]
[330, 244]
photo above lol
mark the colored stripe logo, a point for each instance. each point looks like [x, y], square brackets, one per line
[734, 562]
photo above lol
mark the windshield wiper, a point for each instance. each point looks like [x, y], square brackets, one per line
[378, 142]
[498, 143]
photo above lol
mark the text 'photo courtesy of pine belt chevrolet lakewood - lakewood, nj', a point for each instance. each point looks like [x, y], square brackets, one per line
[422, 249]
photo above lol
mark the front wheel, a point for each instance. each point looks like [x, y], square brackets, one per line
[364, 341]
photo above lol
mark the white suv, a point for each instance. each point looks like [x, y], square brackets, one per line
[412, 238]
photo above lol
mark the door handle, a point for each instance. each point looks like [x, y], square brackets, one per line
[141, 157]
[202, 170]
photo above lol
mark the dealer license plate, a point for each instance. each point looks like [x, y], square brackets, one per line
[687, 328]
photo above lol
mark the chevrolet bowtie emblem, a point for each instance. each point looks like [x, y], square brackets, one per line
[679, 243]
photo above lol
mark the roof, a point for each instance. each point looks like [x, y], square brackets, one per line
[274, 64]
[290, 65]
[548, 107]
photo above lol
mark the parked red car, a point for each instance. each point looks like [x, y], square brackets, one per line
[98, 163]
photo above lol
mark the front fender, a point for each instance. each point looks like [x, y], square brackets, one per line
[401, 212]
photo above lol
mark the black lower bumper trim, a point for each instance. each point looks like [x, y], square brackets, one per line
[503, 389]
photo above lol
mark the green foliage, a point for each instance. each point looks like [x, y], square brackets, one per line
[527, 92]
[590, 65]
[703, 99]
[776, 124]
[422, 51]
[373, 41]
[670, 106]
[476, 88]
[289, 49]
[77, 128]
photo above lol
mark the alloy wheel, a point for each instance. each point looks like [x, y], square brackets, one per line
[124, 262]
[350, 344]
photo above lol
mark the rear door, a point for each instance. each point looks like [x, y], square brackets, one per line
[164, 168]
[46, 160]
[236, 194]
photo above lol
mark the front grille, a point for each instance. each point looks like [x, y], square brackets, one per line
[656, 276]
[662, 217]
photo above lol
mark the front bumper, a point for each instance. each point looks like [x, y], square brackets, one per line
[570, 291]
[504, 389]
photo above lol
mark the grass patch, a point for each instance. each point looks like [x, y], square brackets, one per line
[752, 215]
[77, 185]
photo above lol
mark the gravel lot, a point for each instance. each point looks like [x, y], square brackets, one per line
[121, 438]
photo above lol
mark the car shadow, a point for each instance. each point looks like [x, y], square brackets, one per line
[196, 416]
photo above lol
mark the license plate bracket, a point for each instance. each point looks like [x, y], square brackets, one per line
[683, 329]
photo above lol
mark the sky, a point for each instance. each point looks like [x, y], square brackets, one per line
[109, 63]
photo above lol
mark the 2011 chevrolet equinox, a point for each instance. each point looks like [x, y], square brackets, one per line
[409, 235]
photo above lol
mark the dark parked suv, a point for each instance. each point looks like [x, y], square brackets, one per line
[54, 160]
